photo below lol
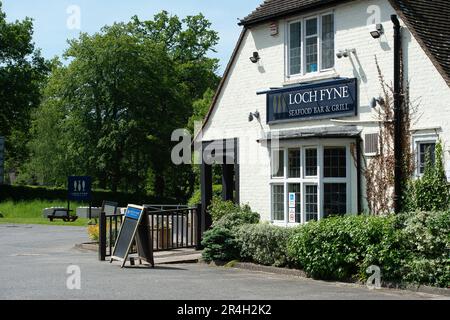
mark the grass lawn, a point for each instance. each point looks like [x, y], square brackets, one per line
[30, 212]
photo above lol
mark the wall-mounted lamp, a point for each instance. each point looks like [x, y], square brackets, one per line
[253, 115]
[255, 58]
[374, 101]
[345, 53]
[376, 30]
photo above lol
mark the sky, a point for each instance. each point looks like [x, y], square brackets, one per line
[54, 23]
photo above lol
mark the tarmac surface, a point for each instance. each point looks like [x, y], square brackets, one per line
[35, 260]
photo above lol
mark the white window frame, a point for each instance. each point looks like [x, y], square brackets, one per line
[303, 180]
[303, 20]
[417, 140]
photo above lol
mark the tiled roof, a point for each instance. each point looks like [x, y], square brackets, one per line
[429, 22]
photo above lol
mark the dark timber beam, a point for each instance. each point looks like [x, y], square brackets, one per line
[206, 193]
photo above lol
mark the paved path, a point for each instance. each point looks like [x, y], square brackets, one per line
[34, 261]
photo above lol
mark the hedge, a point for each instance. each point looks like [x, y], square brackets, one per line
[25, 193]
[411, 248]
[264, 243]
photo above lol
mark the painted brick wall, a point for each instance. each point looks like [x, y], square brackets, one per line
[238, 97]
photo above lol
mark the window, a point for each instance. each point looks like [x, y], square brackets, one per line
[334, 199]
[277, 163]
[295, 49]
[312, 41]
[334, 162]
[327, 41]
[294, 163]
[295, 188]
[426, 149]
[311, 203]
[310, 162]
[316, 175]
[311, 45]
[278, 201]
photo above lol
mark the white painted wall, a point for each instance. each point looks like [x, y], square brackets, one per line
[229, 118]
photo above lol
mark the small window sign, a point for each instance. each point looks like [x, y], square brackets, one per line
[291, 200]
[291, 215]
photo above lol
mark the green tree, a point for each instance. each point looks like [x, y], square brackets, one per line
[22, 73]
[116, 104]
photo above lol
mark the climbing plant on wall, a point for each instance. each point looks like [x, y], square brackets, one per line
[379, 170]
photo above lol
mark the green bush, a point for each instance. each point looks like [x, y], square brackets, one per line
[197, 195]
[264, 243]
[430, 192]
[219, 244]
[239, 216]
[341, 248]
[427, 235]
[28, 193]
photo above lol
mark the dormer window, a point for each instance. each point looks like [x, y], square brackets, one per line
[310, 45]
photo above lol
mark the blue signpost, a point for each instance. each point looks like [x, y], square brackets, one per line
[79, 188]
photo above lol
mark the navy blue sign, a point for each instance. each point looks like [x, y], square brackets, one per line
[330, 99]
[79, 188]
[133, 213]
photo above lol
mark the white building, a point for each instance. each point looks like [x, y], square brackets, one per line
[313, 80]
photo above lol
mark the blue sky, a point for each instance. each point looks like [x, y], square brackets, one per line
[50, 18]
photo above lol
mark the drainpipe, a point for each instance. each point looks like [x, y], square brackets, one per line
[397, 116]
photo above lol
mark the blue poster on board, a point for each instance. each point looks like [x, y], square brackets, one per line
[133, 213]
[79, 188]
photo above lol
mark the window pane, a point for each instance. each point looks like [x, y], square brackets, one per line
[278, 201]
[277, 163]
[334, 199]
[424, 150]
[311, 162]
[327, 41]
[334, 162]
[294, 163]
[295, 48]
[296, 187]
[311, 207]
[311, 27]
[311, 54]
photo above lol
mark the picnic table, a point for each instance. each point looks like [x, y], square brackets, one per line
[64, 214]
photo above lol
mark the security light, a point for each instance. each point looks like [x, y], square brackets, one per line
[345, 53]
[374, 101]
[253, 115]
[376, 30]
[255, 58]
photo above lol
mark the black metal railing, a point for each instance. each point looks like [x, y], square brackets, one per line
[171, 227]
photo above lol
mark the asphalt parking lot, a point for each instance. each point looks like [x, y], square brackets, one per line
[35, 260]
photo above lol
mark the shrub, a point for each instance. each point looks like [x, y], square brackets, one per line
[264, 243]
[93, 232]
[341, 248]
[430, 192]
[28, 193]
[428, 238]
[228, 215]
[219, 244]
[197, 194]
[219, 208]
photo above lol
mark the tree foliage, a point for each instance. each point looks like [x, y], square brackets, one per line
[110, 112]
[22, 73]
